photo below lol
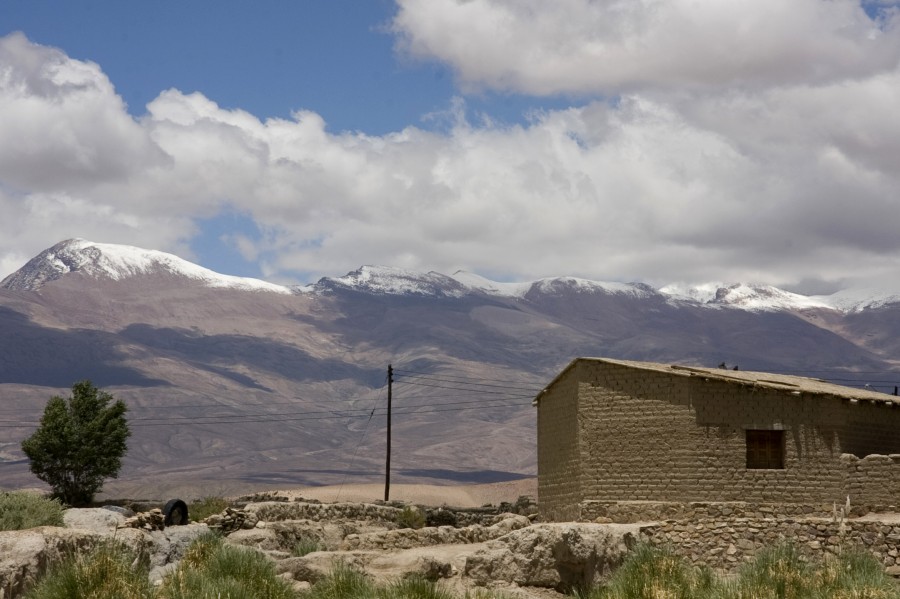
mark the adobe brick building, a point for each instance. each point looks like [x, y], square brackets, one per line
[613, 430]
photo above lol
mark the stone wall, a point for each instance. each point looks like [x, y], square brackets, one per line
[626, 512]
[664, 436]
[727, 543]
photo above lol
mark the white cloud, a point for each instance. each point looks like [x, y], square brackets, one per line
[781, 185]
[615, 46]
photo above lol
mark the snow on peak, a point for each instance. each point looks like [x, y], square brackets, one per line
[489, 287]
[559, 284]
[859, 299]
[743, 296]
[119, 262]
[387, 280]
[398, 281]
[703, 294]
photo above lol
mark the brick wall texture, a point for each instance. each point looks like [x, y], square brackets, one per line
[610, 431]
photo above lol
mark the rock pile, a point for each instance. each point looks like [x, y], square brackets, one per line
[231, 520]
[149, 521]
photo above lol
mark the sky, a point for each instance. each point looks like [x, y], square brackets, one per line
[656, 141]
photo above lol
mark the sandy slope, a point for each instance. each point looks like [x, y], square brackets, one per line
[456, 496]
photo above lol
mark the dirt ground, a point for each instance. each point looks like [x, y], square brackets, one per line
[434, 495]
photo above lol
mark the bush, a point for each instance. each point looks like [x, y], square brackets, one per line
[79, 443]
[441, 517]
[410, 518]
[202, 509]
[212, 570]
[19, 511]
[109, 571]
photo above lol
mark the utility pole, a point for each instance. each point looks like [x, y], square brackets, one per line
[387, 467]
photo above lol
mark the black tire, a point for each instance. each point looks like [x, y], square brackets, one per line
[176, 513]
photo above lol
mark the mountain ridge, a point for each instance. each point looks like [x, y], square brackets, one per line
[119, 261]
[232, 387]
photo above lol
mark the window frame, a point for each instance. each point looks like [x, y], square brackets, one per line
[765, 449]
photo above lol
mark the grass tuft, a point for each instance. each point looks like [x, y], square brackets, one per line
[213, 570]
[776, 572]
[779, 572]
[306, 545]
[20, 510]
[109, 571]
[656, 573]
[202, 509]
[414, 587]
[343, 582]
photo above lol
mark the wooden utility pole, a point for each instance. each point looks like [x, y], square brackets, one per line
[387, 467]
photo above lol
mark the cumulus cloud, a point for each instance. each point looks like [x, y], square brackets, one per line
[790, 184]
[615, 46]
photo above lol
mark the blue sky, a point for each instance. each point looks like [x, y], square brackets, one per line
[270, 58]
[681, 141]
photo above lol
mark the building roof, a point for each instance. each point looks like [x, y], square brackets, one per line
[784, 382]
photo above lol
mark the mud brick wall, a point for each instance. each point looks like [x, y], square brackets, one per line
[650, 435]
[874, 479]
[870, 429]
[610, 432]
[559, 492]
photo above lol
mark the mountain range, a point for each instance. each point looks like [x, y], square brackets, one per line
[236, 383]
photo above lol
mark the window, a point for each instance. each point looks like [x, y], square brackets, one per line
[765, 450]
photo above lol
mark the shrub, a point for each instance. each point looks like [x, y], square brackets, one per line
[410, 518]
[203, 508]
[79, 443]
[19, 510]
[212, 570]
[441, 517]
[109, 571]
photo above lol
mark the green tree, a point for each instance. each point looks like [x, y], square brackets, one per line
[79, 443]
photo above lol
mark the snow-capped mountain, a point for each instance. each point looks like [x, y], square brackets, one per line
[200, 357]
[384, 280]
[746, 297]
[118, 262]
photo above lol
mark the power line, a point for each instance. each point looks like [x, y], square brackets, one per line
[305, 415]
[485, 392]
[362, 439]
[460, 379]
